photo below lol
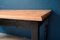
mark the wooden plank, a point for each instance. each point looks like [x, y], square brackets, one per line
[33, 15]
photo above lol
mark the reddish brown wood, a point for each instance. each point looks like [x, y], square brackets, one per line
[34, 15]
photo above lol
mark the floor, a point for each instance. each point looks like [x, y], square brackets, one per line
[4, 36]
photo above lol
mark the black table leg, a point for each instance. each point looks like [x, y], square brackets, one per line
[35, 31]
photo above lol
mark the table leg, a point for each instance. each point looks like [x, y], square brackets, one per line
[35, 32]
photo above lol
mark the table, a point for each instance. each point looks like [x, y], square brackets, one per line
[31, 18]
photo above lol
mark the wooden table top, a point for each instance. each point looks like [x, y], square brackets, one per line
[33, 15]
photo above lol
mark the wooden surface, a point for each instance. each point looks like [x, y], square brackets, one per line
[33, 15]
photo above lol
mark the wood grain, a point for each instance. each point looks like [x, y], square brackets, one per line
[33, 15]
